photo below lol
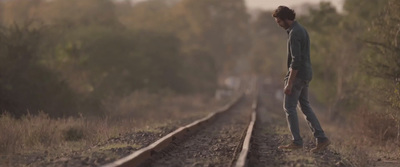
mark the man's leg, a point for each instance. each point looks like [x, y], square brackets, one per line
[322, 140]
[311, 118]
[289, 106]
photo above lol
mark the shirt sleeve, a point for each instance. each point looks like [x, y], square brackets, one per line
[295, 48]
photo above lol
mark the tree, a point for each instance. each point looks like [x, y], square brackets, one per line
[268, 52]
[222, 27]
[18, 11]
[383, 62]
[331, 52]
[217, 29]
[149, 15]
[26, 85]
[337, 50]
[75, 13]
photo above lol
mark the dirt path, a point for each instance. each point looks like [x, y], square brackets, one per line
[271, 131]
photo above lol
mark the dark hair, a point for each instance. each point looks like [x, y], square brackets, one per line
[284, 13]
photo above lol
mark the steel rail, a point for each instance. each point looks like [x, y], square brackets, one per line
[242, 160]
[144, 154]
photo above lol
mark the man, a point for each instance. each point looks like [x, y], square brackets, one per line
[297, 80]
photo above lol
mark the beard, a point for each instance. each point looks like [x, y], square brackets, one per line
[286, 25]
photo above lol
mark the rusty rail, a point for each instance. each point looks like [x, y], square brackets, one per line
[143, 154]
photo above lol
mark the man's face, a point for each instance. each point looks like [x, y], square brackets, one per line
[283, 23]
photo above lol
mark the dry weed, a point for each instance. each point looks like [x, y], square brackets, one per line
[140, 110]
[380, 127]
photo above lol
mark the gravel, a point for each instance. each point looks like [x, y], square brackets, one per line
[214, 145]
[271, 131]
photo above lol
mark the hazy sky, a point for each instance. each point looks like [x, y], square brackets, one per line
[272, 4]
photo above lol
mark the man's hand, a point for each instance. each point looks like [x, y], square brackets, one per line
[288, 89]
[289, 86]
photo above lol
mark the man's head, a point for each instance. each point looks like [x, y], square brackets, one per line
[284, 16]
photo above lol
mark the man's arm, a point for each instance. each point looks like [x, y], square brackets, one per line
[289, 86]
[295, 63]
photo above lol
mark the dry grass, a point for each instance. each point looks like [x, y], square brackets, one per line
[345, 138]
[347, 143]
[379, 132]
[152, 107]
[344, 141]
[40, 132]
[139, 111]
[364, 137]
[380, 127]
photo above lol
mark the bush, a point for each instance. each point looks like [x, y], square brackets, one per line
[73, 134]
[10, 138]
[379, 126]
[25, 84]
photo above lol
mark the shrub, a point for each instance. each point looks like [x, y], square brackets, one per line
[73, 134]
[25, 84]
[379, 126]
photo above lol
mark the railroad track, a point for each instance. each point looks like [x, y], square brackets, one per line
[233, 136]
[220, 139]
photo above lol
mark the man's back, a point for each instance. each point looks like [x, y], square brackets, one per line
[299, 51]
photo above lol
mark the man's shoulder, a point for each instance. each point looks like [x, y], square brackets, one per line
[297, 29]
[295, 32]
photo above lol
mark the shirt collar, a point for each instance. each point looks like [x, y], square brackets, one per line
[291, 27]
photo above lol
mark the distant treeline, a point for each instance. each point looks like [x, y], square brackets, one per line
[69, 56]
[66, 57]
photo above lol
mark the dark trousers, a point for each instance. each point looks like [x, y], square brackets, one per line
[300, 94]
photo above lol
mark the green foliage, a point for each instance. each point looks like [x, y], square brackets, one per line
[338, 53]
[202, 64]
[76, 54]
[222, 27]
[24, 83]
[152, 15]
[331, 71]
[360, 12]
[119, 61]
[383, 61]
[77, 13]
[268, 47]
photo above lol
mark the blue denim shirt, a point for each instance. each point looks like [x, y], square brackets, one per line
[299, 52]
